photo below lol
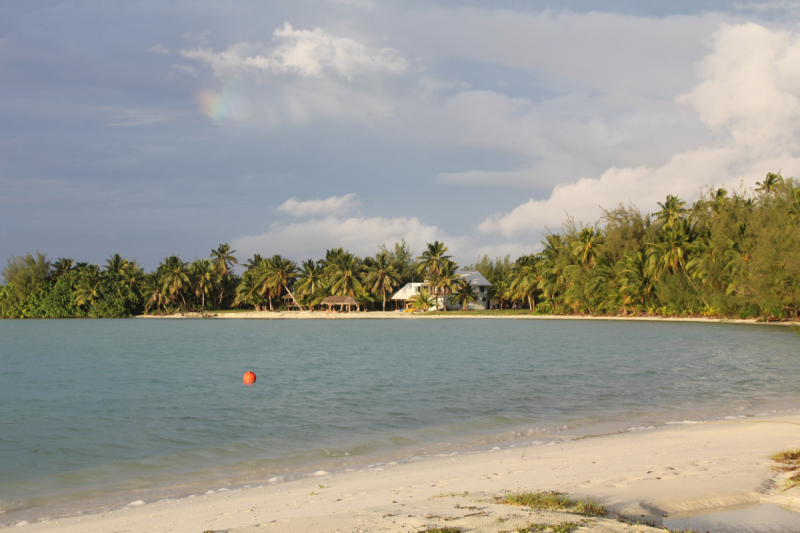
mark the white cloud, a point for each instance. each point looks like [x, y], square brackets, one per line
[748, 94]
[160, 49]
[335, 205]
[363, 235]
[360, 235]
[306, 53]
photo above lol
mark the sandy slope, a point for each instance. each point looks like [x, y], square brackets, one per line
[641, 474]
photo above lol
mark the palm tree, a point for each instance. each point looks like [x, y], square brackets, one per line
[62, 266]
[223, 259]
[500, 291]
[770, 183]
[343, 273]
[133, 275]
[175, 278]
[202, 273]
[154, 294]
[446, 281]
[432, 259]
[116, 265]
[465, 295]
[671, 211]
[88, 289]
[636, 286]
[672, 253]
[422, 301]
[525, 280]
[279, 273]
[310, 279]
[587, 246]
[381, 276]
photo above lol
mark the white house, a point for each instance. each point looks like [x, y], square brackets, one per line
[480, 286]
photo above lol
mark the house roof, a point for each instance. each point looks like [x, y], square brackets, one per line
[406, 292]
[476, 278]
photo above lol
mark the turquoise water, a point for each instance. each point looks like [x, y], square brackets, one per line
[98, 413]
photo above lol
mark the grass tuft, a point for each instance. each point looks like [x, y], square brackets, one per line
[443, 530]
[554, 501]
[788, 460]
[792, 482]
[450, 495]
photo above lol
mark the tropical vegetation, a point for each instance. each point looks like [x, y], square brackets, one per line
[729, 254]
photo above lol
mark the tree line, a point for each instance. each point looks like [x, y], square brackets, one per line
[729, 254]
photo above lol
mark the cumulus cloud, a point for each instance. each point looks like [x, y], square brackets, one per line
[360, 235]
[363, 236]
[306, 53]
[748, 95]
[335, 205]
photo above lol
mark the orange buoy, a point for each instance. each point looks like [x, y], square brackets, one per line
[249, 377]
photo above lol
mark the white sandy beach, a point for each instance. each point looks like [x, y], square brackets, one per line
[365, 315]
[643, 475]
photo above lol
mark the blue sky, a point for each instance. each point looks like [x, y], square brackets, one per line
[157, 127]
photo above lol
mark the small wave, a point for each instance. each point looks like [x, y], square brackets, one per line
[136, 503]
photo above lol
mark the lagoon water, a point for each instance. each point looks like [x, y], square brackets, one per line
[98, 413]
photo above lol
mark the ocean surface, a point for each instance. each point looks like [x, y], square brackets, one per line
[96, 414]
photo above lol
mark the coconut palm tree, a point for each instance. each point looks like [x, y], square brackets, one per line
[525, 280]
[432, 259]
[309, 279]
[88, 288]
[446, 281]
[381, 276]
[344, 273]
[672, 253]
[636, 285]
[203, 275]
[422, 301]
[671, 211]
[223, 259]
[500, 291]
[465, 295]
[770, 183]
[279, 273]
[175, 278]
[62, 266]
[154, 294]
[587, 246]
[116, 265]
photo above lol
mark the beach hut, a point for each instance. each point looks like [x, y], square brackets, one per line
[341, 301]
[288, 301]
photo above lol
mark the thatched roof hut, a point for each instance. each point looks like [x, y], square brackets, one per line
[340, 300]
[289, 300]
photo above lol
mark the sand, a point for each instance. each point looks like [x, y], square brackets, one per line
[364, 315]
[644, 475]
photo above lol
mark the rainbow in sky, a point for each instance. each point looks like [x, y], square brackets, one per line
[225, 104]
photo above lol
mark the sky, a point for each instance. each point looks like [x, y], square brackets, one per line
[158, 127]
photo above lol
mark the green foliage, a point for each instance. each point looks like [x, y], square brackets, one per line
[24, 275]
[730, 254]
[554, 501]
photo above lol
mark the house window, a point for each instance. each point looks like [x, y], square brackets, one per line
[483, 289]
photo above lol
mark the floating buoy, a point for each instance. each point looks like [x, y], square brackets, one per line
[249, 377]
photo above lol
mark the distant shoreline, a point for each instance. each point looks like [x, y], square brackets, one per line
[391, 315]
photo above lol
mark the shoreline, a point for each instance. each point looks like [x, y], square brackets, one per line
[671, 470]
[394, 315]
